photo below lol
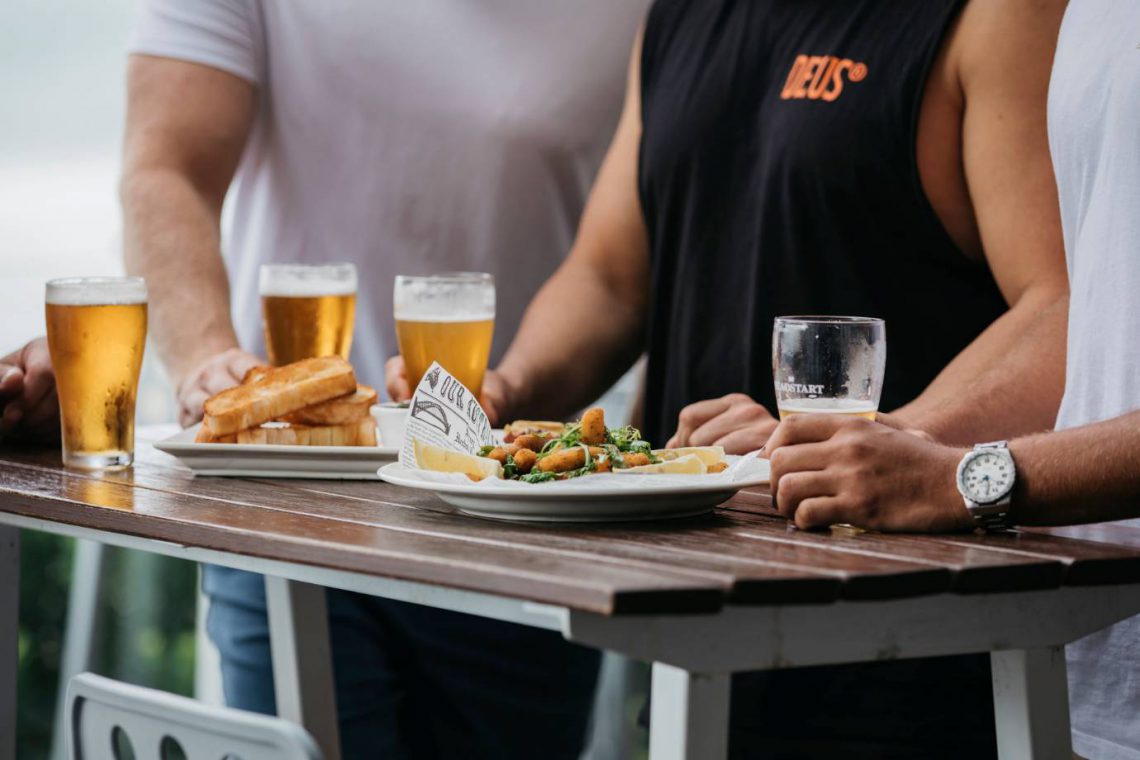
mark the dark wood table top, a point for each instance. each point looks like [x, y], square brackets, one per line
[743, 553]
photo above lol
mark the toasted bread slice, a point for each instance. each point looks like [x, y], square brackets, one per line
[338, 411]
[359, 433]
[204, 436]
[533, 427]
[253, 374]
[280, 391]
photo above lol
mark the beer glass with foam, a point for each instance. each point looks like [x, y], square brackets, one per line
[307, 311]
[448, 318]
[96, 330]
[828, 365]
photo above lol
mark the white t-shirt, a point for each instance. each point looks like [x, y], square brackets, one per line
[411, 137]
[1094, 135]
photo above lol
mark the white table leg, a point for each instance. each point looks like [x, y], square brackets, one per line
[302, 659]
[9, 637]
[1031, 704]
[689, 715]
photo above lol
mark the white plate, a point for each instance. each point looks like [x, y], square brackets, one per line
[257, 461]
[594, 498]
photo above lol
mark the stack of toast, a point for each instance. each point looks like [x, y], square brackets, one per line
[314, 402]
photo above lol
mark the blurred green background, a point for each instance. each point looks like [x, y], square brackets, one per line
[146, 635]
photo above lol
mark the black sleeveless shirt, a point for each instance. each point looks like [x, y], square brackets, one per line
[778, 175]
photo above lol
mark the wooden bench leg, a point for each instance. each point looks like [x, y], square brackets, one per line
[9, 637]
[1031, 704]
[302, 660]
[688, 715]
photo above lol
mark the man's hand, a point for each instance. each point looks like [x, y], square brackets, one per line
[30, 408]
[495, 398]
[218, 372]
[735, 422]
[829, 469]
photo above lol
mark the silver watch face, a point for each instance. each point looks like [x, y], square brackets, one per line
[986, 476]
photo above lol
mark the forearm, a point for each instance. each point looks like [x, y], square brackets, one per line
[579, 334]
[171, 237]
[1086, 474]
[1008, 382]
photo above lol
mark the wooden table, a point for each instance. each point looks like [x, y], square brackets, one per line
[700, 598]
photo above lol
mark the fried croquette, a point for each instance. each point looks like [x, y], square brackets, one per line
[635, 459]
[594, 427]
[524, 460]
[564, 460]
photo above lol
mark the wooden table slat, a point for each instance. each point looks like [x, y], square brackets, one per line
[780, 574]
[744, 553]
[1088, 555]
[105, 504]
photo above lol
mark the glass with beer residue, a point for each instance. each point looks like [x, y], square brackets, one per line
[448, 318]
[96, 330]
[307, 310]
[829, 365]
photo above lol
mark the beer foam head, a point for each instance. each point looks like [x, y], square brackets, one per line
[452, 297]
[95, 291]
[303, 281]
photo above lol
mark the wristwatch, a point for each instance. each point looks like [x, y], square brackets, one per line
[985, 480]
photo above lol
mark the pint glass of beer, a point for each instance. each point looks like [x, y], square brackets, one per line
[307, 311]
[448, 318]
[829, 365]
[96, 329]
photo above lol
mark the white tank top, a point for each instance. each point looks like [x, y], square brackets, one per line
[409, 137]
[1094, 136]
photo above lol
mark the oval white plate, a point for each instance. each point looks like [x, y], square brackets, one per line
[262, 461]
[594, 498]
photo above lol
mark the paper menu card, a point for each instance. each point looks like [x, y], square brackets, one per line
[444, 413]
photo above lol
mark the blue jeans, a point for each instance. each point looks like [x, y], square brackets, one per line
[414, 682]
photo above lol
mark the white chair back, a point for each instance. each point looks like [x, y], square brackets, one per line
[111, 720]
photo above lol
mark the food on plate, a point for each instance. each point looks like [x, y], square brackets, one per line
[712, 456]
[707, 454]
[536, 454]
[359, 433]
[593, 427]
[431, 457]
[338, 411]
[313, 402]
[205, 437]
[690, 464]
[543, 430]
[253, 374]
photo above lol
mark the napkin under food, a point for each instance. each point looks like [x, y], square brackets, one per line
[444, 413]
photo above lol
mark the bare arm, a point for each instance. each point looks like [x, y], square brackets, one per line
[583, 329]
[1084, 474]
[1009, 380]
[186, 128]
[830, 470]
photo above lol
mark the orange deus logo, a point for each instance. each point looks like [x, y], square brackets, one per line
[820, 77]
